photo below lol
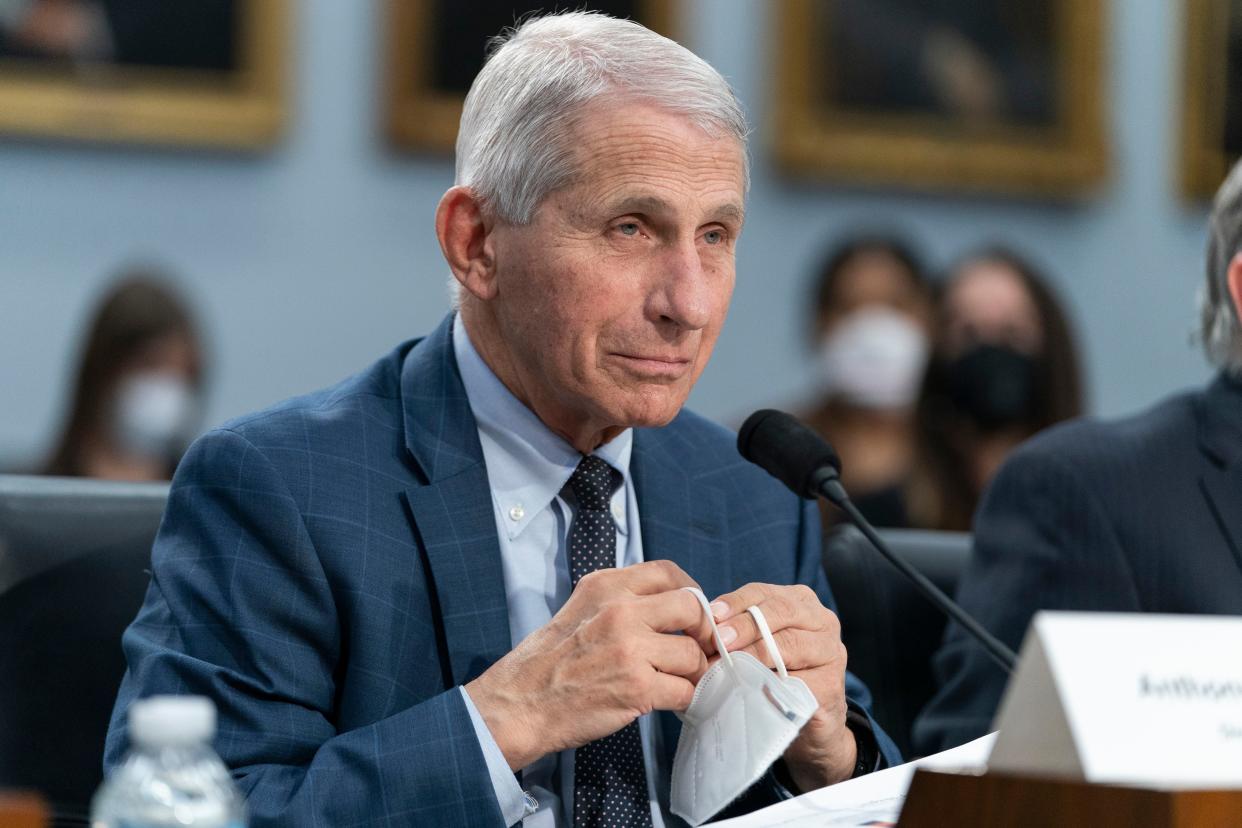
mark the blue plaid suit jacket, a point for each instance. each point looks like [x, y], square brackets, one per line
[328, 572]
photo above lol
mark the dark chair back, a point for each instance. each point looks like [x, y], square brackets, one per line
[75, 557]
[889, 629]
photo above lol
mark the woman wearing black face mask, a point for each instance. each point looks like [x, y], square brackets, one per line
[1003, 367]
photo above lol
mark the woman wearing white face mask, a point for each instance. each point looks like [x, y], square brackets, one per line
[136, 400]
[872, 317]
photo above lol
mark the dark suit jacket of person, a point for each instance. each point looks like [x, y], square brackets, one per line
[1138, 515]
[328, 572]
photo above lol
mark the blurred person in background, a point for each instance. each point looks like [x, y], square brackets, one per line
[872, 319]
[1139, 514]
[136, 401]
[1004, 366]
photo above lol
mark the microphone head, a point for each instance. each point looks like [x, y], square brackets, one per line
[789, 451]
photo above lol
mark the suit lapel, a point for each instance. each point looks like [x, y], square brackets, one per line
[1223, 489]
[452, 510]
[682, 521]
[1219, 411]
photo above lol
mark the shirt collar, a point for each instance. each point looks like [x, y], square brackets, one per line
[527, 463]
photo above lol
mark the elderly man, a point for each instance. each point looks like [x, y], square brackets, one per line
[1139, 515]
[449, 590]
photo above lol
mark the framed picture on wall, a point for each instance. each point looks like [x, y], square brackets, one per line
[204, 73]
[1000, 96]
[1211, 94]
[436, 47]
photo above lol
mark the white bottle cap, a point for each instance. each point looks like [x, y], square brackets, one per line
[172, 720]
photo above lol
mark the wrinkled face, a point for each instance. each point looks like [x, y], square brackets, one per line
[610, 300]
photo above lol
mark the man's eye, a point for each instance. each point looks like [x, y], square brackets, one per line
[714, 236]
[629, 228]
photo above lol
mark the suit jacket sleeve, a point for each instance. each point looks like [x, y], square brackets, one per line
[241, 610]
[1043, 540]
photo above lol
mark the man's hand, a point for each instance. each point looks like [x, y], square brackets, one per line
[808, 636]
[609, 656]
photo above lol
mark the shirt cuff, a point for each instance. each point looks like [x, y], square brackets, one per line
[509, 794]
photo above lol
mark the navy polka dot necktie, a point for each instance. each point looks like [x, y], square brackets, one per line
[610, 782]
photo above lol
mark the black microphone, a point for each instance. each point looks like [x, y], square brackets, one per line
[798, 457]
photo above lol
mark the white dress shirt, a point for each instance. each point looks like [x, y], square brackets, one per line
[528, 469]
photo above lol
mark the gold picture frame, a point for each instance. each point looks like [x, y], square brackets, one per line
[1205, 157]
[419, 114]
[817, 136]
[243, 108]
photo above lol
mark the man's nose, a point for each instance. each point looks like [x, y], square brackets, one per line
[682, 294]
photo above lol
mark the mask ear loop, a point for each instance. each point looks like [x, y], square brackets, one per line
[768, 640]
[707, 611]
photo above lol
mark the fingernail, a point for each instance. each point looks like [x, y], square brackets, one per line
[720, 611]
[728, 635]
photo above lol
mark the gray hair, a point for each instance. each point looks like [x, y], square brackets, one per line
[515, 143]
[1220, 331]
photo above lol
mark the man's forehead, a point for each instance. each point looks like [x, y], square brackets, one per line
[721, 206]
[634, 139]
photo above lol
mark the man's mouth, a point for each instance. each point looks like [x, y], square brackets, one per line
[655, 365]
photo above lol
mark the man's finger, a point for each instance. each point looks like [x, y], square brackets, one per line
[676, 655]
[645, 578]
[674, 611]
[733, 603]
[730, 604]
[670, 692]
[799, 649]
[781, 610]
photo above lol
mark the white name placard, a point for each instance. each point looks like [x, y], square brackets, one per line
[1127, 699]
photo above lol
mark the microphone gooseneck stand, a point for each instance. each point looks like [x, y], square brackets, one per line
[798, 457]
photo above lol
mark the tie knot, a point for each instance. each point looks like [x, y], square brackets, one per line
[593, 483]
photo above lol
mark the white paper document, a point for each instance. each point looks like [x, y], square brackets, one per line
[873, 800]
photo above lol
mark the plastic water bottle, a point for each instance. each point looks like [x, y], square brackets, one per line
[171, 776]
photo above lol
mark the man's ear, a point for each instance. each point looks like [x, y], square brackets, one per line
[464, 235]
[1235, 283]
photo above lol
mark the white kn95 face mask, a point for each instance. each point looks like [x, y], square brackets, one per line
[741, 719]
